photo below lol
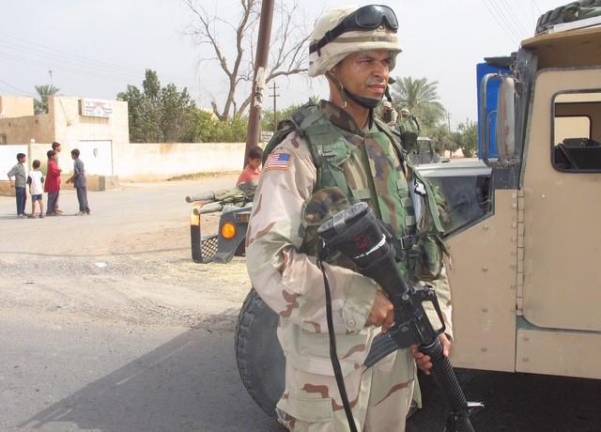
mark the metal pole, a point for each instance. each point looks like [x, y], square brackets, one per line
[275, 107]
[254, 118]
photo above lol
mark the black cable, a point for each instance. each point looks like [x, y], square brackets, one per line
[334, 355]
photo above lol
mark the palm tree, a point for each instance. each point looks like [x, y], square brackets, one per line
[40, 105]
[421, 98]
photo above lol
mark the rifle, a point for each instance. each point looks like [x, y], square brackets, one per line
[360, 236]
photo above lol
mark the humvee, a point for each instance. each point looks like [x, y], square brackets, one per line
[525, 241]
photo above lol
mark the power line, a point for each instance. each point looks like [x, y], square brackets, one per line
[499, 22]
[506, 18]
[514, 18]
[16, 52]
[9, 85]
[23, 46]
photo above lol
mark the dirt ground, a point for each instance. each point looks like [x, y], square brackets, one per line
[129, 261]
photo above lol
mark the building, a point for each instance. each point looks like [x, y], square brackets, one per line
[98, 128]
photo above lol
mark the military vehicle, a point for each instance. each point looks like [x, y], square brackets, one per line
[424, 153]
[525, 277]
[234, 207]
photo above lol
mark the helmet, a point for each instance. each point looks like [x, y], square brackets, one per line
[405, 111]
[389, 114]
[333, 51]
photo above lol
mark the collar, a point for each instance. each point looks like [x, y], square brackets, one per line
[343, 120]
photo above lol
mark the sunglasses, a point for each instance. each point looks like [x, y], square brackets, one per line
[366, 18]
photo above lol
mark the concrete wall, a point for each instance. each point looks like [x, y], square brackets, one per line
[71, 128]
[142, 161]
[8, 158]
[39, 128]
[15, 106]
[97, 136]
[38, 151]
[64, 124]
[156, 161]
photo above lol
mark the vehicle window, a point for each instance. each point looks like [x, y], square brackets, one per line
[572, 127]
[577, 132]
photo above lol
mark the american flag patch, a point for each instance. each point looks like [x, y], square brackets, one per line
[277, 161]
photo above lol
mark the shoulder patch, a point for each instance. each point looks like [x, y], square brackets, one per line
[277, 162]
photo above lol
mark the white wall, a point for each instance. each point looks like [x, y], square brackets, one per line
[152, 160]
[8, 158]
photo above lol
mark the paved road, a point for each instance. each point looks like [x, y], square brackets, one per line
[90, 376]
[107, 326]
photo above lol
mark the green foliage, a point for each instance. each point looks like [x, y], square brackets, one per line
[208, 128]
[40, 106]
[442, 139]
[467, 138]
[285, 114]
[421, 98]
[167, 114]
[158, 114]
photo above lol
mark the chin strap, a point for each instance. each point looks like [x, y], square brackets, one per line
[367, 103]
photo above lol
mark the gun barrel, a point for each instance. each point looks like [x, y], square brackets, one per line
[205, 196]
[208, 208]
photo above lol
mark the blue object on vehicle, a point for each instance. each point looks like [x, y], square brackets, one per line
[482, 70]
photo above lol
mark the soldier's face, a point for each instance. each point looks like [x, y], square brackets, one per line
[365, 73]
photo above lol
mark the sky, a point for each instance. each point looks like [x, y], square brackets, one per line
[96, 48]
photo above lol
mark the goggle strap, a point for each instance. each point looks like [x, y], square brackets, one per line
[340, 29]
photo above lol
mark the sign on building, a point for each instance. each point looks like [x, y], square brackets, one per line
[95, 108]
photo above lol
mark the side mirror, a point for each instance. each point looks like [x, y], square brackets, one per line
[505, 117]
[505, 133]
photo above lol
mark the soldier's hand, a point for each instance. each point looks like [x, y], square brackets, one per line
[382, 312]
[423, 361]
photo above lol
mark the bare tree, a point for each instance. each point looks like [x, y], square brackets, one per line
[288, 49]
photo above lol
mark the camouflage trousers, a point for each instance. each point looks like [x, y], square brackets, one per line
[380, 398]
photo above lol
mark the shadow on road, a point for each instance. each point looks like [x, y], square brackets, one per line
[188, 384]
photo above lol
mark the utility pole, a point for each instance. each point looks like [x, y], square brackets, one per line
[254, 119]
[275, 96]
[449, 121]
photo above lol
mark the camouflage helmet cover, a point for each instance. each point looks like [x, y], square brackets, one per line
[348, 43]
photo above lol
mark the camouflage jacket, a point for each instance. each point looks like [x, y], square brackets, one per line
[288, 279]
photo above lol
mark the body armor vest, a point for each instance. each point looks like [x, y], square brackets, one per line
[370, 168]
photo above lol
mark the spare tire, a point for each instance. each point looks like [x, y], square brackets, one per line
[258, 353]
[574, 11]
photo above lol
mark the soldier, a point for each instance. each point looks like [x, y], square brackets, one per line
[389, 114]
[331, 155]
[409, 130]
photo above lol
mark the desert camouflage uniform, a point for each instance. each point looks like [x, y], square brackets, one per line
[291, 283]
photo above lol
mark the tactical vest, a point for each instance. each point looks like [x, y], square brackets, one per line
[372, 170]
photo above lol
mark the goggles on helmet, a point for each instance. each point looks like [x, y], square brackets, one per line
[363, 19]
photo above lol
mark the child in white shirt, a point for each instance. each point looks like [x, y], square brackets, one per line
[36, 189]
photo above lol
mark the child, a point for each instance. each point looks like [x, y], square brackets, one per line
[20, 183]
[252, 170]
[35, 180]
[79, 181]
[53, 183]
